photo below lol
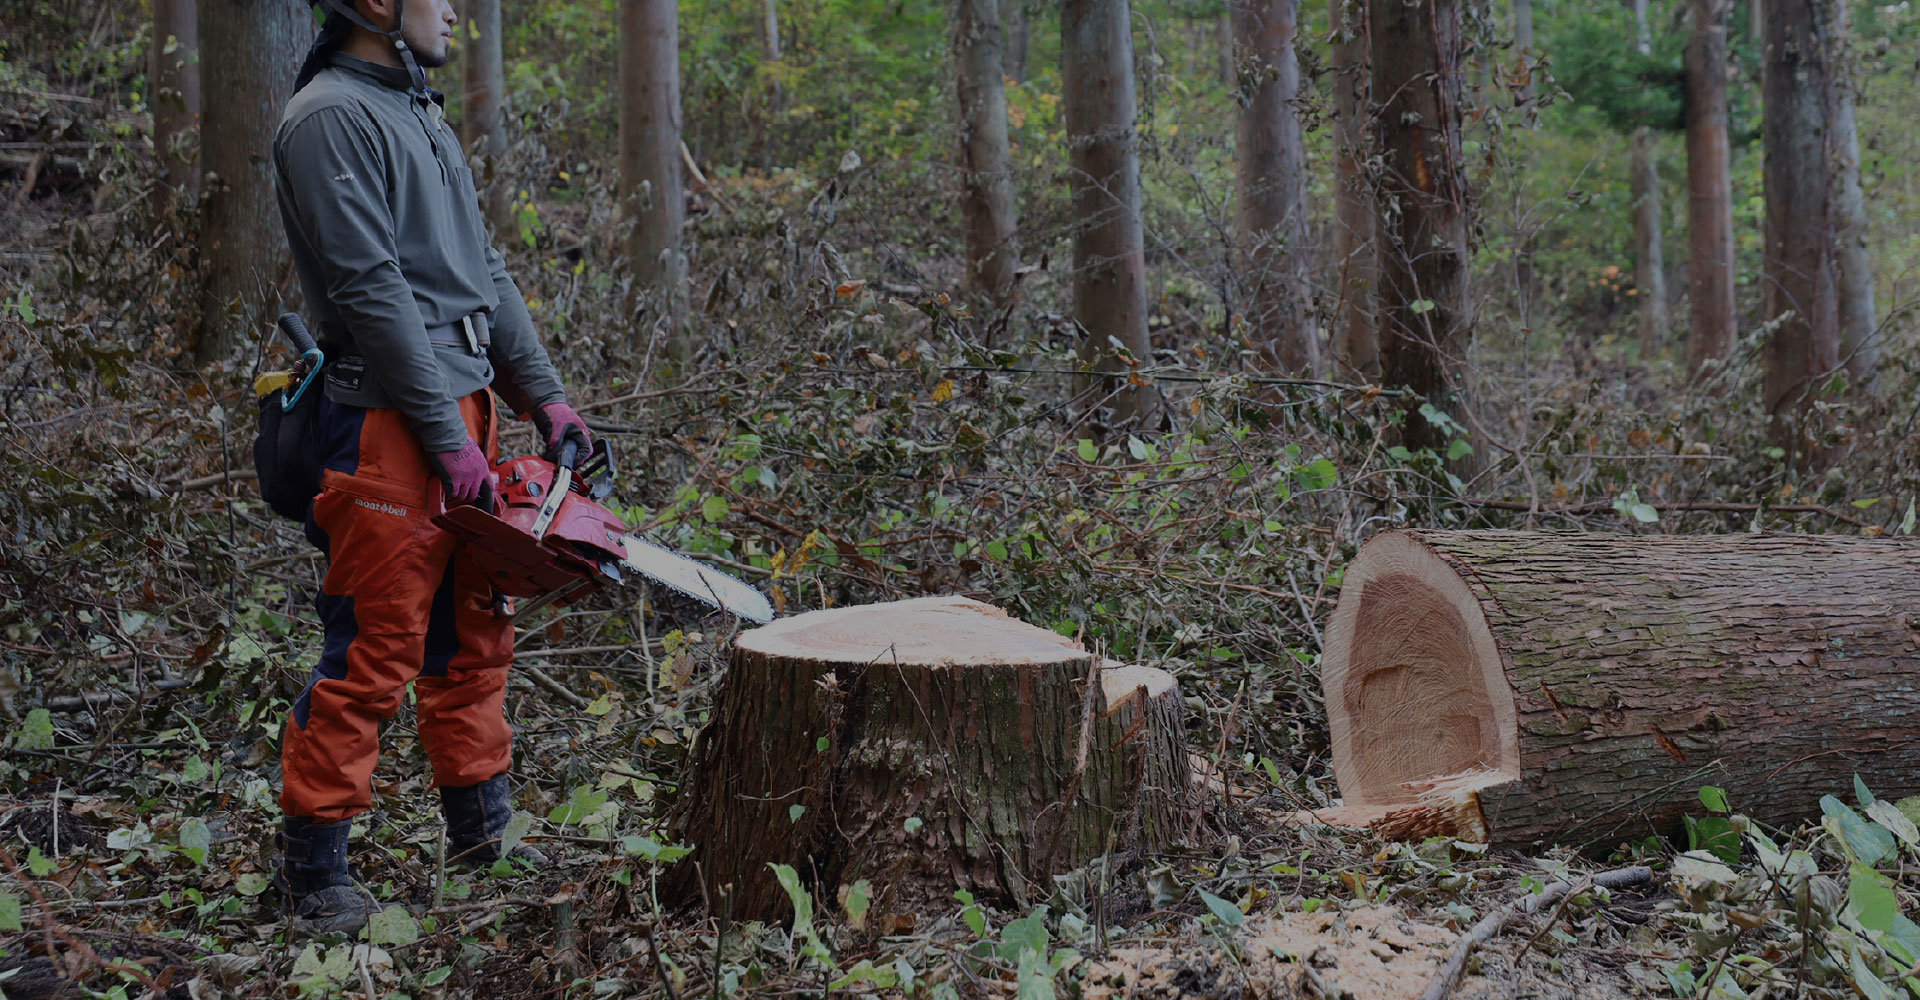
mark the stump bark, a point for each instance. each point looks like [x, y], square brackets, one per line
[1526, 688]
[926, 746]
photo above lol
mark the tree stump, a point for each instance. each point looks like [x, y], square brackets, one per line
[926, 746]
[1525, 688]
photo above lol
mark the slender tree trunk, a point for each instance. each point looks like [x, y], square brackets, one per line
[1426, 305]
[242, 245]
[484, 122]
[1015, 30]
[174, 68]
[1858, 318]
[1271, 160]
[650, 185]
[1710, 288]
[1756, 19]
[986, 167]
[1229, 63]
[1109, 245]
[1523, 42]
[1800, 273]
[1650, 269]
[1355, 344]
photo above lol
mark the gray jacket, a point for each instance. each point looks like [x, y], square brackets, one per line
[393, 256]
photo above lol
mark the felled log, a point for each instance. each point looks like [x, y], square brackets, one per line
[1527, 688]
[925, 746]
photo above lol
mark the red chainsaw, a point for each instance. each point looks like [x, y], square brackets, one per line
[544, 536]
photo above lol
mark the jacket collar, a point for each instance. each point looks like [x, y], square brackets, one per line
[391, 76]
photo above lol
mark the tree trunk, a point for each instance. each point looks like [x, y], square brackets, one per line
[1272, 165]
[1355, 343]
[1016, 31]
[1426, 305]
[242, 245]
[1523, 42]
[174, 69]
[986, 198]
[1650, 267]
[1579, 689]
[1859, 348]
[925, 746]
[484, 110]
[1109, 245]
[1800, 273]
[1710, 260]
[1229, 60]
[651, 193]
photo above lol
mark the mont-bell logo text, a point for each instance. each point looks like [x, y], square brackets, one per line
[381, 507]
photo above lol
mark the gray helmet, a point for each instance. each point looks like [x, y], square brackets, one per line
[334, 16]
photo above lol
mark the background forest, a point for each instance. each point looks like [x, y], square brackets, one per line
[817, 378]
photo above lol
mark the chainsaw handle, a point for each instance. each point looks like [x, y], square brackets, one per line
[486, 501]
[569, 452]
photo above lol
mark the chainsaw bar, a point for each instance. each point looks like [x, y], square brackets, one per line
[695, 579]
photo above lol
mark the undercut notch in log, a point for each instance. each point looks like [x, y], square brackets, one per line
[926, 746]
[1527, 688]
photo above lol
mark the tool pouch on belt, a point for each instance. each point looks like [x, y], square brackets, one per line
[286, 452]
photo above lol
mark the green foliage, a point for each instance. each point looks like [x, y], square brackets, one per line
[1596, 58]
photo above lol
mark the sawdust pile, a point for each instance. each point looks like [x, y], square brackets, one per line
[1374, 952]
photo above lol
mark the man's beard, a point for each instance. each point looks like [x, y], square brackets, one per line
[432, 58]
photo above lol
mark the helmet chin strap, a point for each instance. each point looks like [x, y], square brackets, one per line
[344, 8]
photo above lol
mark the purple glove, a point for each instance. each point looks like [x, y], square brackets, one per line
[464, 470]
[557, 423]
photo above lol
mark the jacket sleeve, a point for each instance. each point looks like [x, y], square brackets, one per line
[335, 173]
[529, 381]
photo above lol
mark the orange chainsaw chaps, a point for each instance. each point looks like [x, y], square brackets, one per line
[401, 602]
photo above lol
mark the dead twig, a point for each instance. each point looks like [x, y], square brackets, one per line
[1492, 924]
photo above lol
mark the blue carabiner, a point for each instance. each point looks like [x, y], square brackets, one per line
[315, 361]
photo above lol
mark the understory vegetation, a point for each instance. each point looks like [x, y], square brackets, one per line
[852, 427]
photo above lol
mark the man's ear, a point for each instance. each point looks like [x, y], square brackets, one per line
[378, 11]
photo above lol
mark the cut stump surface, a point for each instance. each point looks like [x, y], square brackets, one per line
[925, 746]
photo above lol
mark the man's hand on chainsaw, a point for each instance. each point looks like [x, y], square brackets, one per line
[558, 422]
[465, 472]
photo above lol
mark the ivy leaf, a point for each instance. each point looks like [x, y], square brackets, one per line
[1870, 900]
[855, 899]
[1228, 913]
[251, 884]
[714, 509]
[39, 864]
[516, 831]
[9, 912]
[1714, 799]
[1868, 842]
[196, 840]
[392, 926]
[36, 731]
[1089, 453]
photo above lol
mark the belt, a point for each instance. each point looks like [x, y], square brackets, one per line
[472, 333]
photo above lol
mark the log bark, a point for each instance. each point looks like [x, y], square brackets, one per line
[1422, 201]
[1532, 688]
[986, 166]
[1800, 270]
[1355, 344]
[925, 746]
[1271, 163]
[652, 194]
[173, 67]
[1649, 257]
[1109, 241]
[1710, 261]
[483, 124]
[242, 245]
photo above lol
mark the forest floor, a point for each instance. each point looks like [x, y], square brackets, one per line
[848, 432]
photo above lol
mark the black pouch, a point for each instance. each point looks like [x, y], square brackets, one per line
[286, 452]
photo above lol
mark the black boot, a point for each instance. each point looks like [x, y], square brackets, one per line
[313, 875]
[476, 817]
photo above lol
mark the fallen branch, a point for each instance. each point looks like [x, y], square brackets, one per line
[1491, 925]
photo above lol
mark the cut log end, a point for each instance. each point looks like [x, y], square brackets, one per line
[1417, 696]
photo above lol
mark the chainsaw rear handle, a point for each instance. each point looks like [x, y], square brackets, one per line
[569, 452]
[311, 358]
